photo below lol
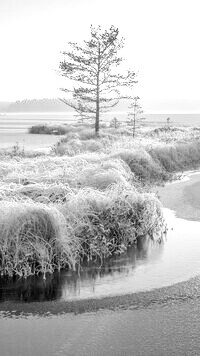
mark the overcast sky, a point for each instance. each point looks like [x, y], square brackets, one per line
[162, 45]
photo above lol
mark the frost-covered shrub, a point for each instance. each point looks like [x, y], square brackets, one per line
[107, 223]
[142, 164]
[33, 239]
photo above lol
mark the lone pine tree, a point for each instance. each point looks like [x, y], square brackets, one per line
[95, 85]
[136, 110]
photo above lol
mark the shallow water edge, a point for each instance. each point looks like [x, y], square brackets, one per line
[175, 294]
[136, 296]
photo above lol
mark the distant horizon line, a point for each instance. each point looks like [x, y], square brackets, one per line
[106, 113]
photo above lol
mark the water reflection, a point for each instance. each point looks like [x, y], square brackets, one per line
[88, 282]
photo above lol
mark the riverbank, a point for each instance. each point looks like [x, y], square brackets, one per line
[187, 290]
[134, 324]
[92, 195]
[176, 294]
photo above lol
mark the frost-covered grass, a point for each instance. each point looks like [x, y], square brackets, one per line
[89, 198]
[142, 165]
[173, 158]
[62, 211]
[173, 134]
[107, 223]
[33, 239]
[72, 226]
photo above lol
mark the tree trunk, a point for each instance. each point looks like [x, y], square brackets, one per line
[97, 115]
[134, 119]
[97, 97]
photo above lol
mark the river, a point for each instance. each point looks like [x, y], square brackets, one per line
[126, 315]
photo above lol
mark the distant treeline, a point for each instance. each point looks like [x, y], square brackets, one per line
[34, 105]
[45, 105]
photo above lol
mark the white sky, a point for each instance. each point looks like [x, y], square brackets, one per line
[162, 45]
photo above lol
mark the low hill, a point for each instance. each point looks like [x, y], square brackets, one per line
[46, 105]
[37, 105]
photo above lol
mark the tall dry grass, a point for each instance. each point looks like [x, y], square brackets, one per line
[107, 223]
[33, 239]
[142, 164]
[179, 157]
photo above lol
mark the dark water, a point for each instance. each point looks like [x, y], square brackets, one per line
[146, 266]
[90, 281]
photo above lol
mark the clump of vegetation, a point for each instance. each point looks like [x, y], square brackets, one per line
[93, 146]
[178, 157]
[33, 240]
[74, 146]
[88, 225]
[59, 174]
[103, 174]
[48, 129]
[89, 198]
[165, 129]
[38, 192]
[107, 223]
[67, 147]
[86, 134]
[142, 165]
[58, 212]
[15, 151]
[173, 134]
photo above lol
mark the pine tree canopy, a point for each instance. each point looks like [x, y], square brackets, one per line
[95, 84]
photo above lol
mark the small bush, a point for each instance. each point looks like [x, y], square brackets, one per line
[48, 129]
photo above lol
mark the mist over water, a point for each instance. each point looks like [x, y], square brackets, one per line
[14, 126]
[20, 122]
